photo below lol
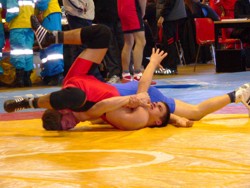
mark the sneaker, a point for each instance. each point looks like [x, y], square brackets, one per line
[114, 79]
[16, 104]
[43, 36]
[165, 72]
[242, 94]
[126, 77]
[138, 76]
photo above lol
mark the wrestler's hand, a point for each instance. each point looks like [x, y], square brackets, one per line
[144, 99]
[180, 121]
[157, 56]
[183, 122]
[140, 99]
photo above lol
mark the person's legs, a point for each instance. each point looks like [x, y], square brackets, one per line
[112, 60]
[126, 56]
[196, 112]
[140, 42]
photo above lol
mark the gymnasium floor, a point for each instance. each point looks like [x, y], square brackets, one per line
[215, 152]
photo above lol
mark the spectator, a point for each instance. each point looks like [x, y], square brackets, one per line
[226, 8]
[131, 13]
[242, 10]
[170, 17]
[150, 17]
[195, 9]
[49, 14]
[106, 13]
[151, 31]
[79, 14]
[159, 7]
[21, 39]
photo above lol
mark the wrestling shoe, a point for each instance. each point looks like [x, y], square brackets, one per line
[242, 94]
[44, 37]
[16, 104]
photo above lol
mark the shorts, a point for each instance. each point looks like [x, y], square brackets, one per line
[130, 15]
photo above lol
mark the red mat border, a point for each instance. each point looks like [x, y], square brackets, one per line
[20, 116]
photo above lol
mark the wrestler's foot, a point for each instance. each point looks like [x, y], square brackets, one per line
[242, 94]
[44, 37]
[16, 104]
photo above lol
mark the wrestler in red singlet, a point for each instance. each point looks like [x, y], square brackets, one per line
[80, 76]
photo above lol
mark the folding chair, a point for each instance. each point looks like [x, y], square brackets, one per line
[204, 28]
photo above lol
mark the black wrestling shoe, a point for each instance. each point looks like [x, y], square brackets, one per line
[16, 104]
[44, 37]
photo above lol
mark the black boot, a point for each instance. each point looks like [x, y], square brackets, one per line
[26, 79]
[44, 37]
[17, 104]
[18, 82]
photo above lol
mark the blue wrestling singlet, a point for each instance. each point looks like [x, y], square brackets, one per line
[130, 88]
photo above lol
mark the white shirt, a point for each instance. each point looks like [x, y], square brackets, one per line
[80, 8]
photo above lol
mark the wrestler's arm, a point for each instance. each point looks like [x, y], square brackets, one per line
[145, 82]
[180, 121]
[114, 103]
[155, 60]
[128, 119]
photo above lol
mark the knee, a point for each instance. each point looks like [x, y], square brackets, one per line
[68, 98]
[141, 42]
[96, 36]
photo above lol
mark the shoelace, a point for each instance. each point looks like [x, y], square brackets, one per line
[18, 100]
[40, 34]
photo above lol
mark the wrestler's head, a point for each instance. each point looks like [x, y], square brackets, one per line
[55, 120]
[159, 114]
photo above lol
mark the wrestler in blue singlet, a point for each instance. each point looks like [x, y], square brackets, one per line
[130, 88]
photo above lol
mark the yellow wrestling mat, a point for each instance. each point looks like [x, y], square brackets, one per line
[214, 153]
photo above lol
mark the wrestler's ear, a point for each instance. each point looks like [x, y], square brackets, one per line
[158, 122]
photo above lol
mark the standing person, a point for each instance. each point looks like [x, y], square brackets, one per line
[2, 37]
[49, 13]
[212, 4]
[21, 39]
[171, 16]
[79, 14]
[159, 7]
[131, 13]
[242, 10]
[106, 13]
[226, 8]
